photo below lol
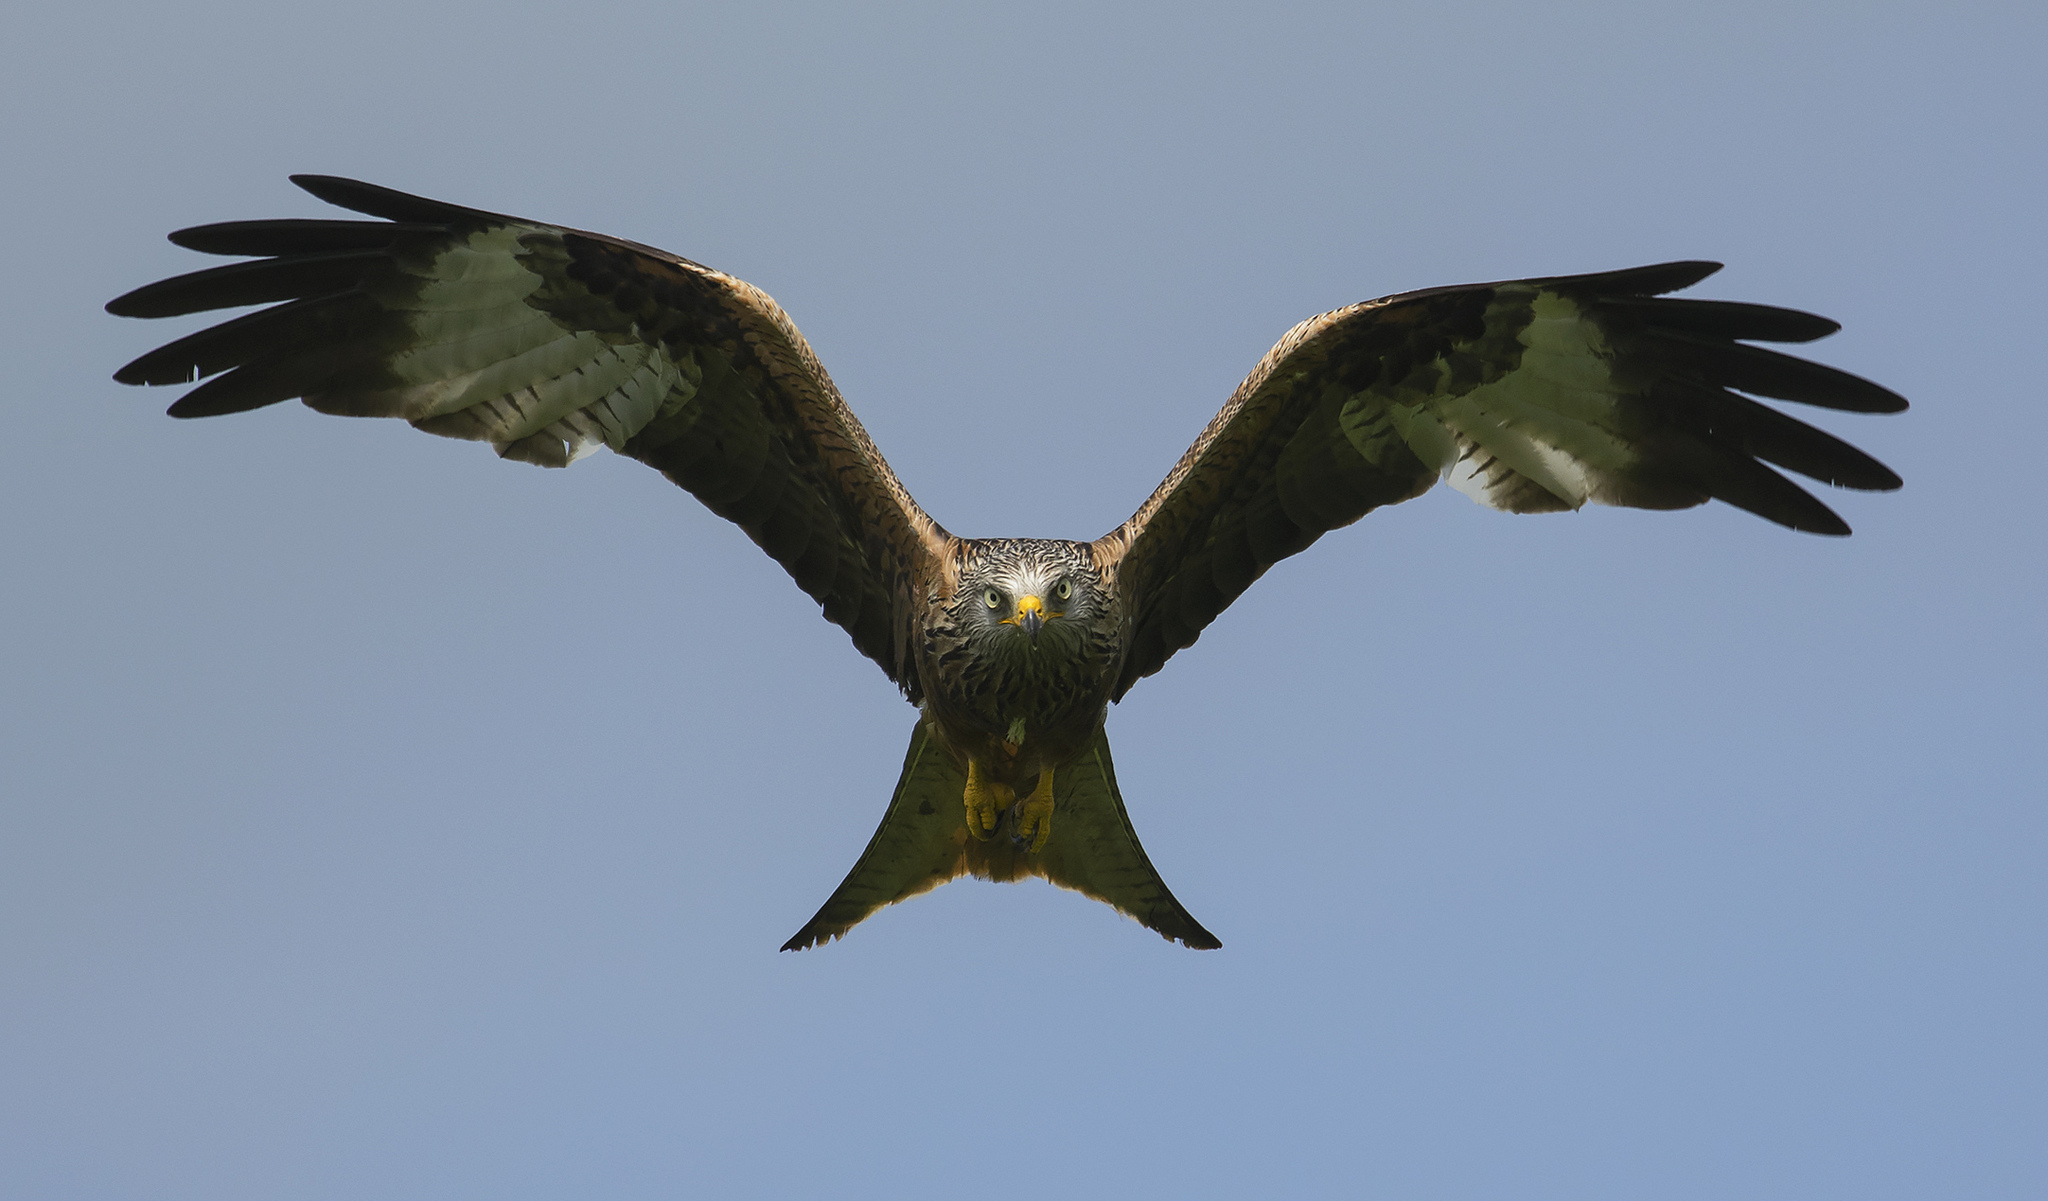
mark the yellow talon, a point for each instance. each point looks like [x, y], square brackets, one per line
[1034, 819]
[984, 808]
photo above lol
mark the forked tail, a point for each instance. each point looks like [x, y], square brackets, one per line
[923, 842]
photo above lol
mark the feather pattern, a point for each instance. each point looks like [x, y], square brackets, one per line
[1528, 396]
[548, 343]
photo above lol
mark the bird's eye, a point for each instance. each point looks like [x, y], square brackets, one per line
[993, 598]
[1062, 590]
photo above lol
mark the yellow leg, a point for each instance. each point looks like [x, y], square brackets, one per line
[1034, 820]
[985, 802]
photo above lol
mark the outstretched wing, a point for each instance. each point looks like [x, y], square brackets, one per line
[1530, 396]
[923, 842]
[548, 342]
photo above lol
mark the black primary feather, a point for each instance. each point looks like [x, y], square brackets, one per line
[1721, 318]
[296, 235]
[266, 281]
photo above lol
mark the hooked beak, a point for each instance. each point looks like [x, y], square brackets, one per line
[1031, 615]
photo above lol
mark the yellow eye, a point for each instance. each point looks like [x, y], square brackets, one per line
[994, 598]
[1063, 590]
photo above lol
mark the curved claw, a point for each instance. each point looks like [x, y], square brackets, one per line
[1034, 816]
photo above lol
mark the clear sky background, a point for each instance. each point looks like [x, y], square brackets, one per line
[378, 819]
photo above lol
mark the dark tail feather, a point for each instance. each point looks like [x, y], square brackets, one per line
[1094, 851]
[923, 843]
[914, 851]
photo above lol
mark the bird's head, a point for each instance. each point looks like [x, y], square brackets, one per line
[1029, 593]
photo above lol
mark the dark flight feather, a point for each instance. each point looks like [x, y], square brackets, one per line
[1653, 280]
[248, 338]
[1764, 432]
[1749, 485]
[1768, 373]
[296, 235]
[262, 382]
[264, 282]
[1724, 319]
[393, 205]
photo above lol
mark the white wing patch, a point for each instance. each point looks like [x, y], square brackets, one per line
[1540, 437]
[485, 365]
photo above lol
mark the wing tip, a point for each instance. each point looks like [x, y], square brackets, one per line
[127, 304]
[138, 373]
[1654, 279]
[1820, 327]
[203, 238]
[328, 187]
[1651, 279]
[388, 203]
[1795, 509]
[207, 401]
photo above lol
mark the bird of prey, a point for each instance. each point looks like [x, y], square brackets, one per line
[548, 342]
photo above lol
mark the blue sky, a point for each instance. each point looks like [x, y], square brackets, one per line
[381, 819]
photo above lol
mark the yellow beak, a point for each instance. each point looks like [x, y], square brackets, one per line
[1030, 615]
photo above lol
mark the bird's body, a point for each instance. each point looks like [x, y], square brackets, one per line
[1019, 703]
[1528, 395]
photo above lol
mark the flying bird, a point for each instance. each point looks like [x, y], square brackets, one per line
[548, 342]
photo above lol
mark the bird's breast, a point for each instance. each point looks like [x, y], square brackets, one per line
[1013, 705]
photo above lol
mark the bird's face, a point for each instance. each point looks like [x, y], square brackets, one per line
[1029, 595]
